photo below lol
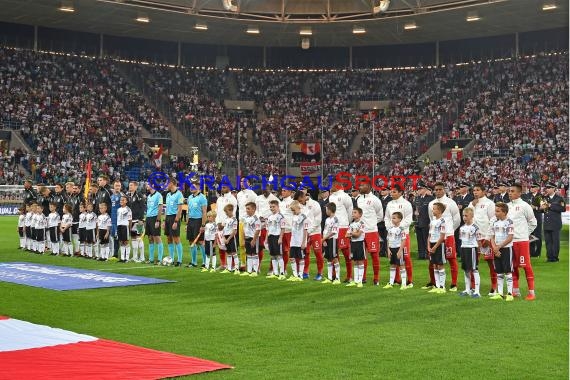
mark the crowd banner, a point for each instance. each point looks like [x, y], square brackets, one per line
[308, 168]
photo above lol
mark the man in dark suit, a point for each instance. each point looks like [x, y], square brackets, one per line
[502, 195]
[462, 199]
[553, 206]
[30, 194]
[384, 198]
[355, 194]
[534, 199]
[421, 203]
[324, 201]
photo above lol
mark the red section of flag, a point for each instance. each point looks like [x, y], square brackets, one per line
[158, 157]
[99, 360]
[3, 317]
[310, 148]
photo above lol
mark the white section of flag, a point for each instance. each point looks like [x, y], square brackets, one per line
[21, 335]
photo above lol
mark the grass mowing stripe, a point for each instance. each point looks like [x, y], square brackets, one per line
[280, 330]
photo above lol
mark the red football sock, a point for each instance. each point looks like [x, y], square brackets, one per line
[516, 277]
[348, 262]
[307, 260]
[320, 261]
[529, 276]
[365, 268]
[285, 259]
[409, 269]
[431, 275]
[260, 254]
[472, 280]
[376, 266]
[454, 271]
[223, 258]
[398, 278]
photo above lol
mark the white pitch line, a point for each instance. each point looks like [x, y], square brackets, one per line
[119, 268]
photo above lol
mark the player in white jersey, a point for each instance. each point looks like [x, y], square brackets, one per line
[285, 209]
[522, 215]
[404, 207]
[28, 228]
[436, 246]
[357, 234]
[81, 228]
[330, 239]
[53, 228]
[470, 236]
[263, 210]
[22, 227]
[452, 222]
[251, 231]
[124, 225]
[66, 230]
[502, 232]
[343, 203]
[104, 224]
[313, 212]
[483, 212]
[41, 225]
[210, 242]
[90, 230]
[274, 239]
[230, 231]
[299, 227]
[244, 196]
[372, 214]
[397, 237]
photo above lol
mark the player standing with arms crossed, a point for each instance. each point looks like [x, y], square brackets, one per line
[174, 202]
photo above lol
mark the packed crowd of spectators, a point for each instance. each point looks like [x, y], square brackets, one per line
[72, 109]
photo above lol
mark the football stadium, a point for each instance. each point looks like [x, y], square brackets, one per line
[284, 189]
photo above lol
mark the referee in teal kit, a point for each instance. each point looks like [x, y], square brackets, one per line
[197, 206]
[174, 202]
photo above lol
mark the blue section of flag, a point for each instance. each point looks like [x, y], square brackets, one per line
[65, 278]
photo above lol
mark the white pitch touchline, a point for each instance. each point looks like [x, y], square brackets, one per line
[127, 268]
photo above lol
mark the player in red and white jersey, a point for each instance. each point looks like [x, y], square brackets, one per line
[285, 209]
[403, 206]
[344, 205]
[525, 223]
[263, 212]
[372, 214]
[312, 209]
[483, 212]
[452, 221]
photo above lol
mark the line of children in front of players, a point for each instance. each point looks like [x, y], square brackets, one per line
[38, 232]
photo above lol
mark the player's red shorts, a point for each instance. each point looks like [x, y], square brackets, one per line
[521, 250]
[286, 242]
[487, 251]
[450, 252]
[372, 242]
[315, 242]
[262, 237]
[342, 241]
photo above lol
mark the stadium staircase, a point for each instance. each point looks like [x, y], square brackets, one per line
[356, 142]
[232, 85]
[182, 139]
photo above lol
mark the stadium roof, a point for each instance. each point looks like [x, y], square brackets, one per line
[279, 22]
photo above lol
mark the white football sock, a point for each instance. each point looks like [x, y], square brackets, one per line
[477, 281]
[301, 267]
[404, 276]
[500, 282]
[509, 277]
[275, 265]
[337, 270]
[442, 278]
[330, 270]
[467, 276]
[392, 275]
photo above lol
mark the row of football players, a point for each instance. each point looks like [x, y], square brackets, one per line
[290, 237]
[54, 233]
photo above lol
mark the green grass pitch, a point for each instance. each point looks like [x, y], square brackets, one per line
[268, 329]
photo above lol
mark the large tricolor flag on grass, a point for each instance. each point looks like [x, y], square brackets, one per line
[30, 351]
